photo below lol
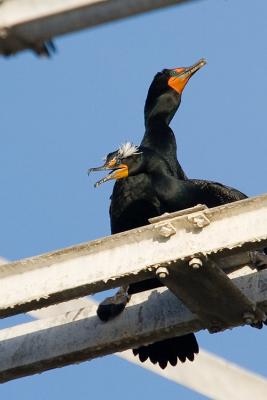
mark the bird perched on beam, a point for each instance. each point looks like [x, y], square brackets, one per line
[172, 194]
[162, 102]
[134, 201]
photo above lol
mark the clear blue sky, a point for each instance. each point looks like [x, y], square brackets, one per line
[60, 116]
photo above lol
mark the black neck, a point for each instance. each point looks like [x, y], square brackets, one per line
[160, 138]
[161, 108]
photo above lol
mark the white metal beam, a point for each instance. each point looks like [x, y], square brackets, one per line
[209, 375]
[25, 22]
[131, 256]
[79, 335]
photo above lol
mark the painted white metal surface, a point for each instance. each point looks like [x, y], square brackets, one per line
[31, 21]
[79, 335]
[209, 375]
[130, 256]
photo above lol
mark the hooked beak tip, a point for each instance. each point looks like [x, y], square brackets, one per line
[202, 63]
[198, 65]
[96, 169]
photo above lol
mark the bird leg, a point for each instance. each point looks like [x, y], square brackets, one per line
[114, 305]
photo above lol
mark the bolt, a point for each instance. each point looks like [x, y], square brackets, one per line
[162, 272]
[195, 263]
[167, 230]
[249, 318]
[199, 221]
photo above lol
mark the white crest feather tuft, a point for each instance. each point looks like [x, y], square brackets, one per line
[128, 149]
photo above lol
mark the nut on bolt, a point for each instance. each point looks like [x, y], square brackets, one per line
[195, 263]
[162, 272]
[249, 317]
[167, 230]
[199, 221]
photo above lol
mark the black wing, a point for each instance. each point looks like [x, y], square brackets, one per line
[216, 194]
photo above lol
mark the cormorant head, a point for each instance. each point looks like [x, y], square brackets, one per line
[164, 94]
[126, 161]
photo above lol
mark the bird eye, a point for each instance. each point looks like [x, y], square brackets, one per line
[173, 73]
[118, 160]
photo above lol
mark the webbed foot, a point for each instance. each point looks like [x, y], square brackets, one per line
[114, 305]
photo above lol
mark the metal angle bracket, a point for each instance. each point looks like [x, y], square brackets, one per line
[195, 216]
[181, 213]
[208, 292]
[201, 284]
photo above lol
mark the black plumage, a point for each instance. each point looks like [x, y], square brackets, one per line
[134, 200]
[135, 195]
[173, 194]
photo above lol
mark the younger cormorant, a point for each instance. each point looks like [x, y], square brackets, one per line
[172, 194]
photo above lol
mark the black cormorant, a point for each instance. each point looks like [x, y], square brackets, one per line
[133, 200]
[171, 194]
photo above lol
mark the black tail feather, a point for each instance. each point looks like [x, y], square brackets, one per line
[169, 350]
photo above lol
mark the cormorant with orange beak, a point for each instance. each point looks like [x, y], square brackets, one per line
[172, 194]
[134, 200]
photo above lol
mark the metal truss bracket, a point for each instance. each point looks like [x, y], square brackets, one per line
[208, 293]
